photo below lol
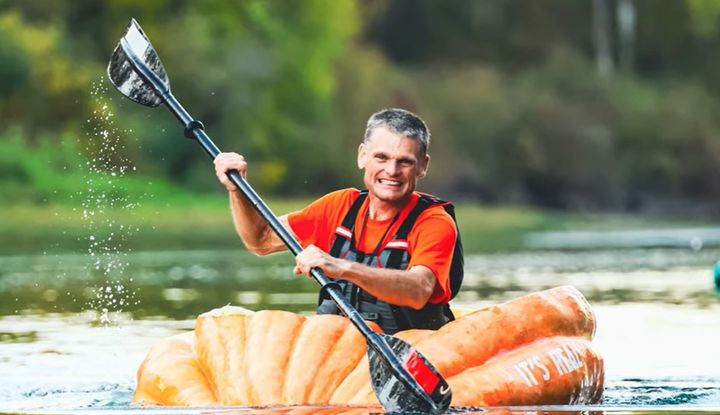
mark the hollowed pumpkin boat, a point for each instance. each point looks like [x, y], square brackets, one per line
[534, 350]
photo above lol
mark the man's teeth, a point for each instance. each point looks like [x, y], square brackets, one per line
[390, 182]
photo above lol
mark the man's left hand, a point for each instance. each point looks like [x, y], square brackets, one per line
[312, 257]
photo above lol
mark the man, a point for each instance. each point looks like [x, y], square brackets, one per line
[390, 248]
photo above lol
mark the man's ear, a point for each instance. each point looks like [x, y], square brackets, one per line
[424, 164]
[361, 156]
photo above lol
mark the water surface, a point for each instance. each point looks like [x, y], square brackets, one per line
[658, 317]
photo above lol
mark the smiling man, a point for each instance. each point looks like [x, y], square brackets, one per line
[395, 252]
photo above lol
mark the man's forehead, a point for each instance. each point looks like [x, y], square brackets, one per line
[382, 137]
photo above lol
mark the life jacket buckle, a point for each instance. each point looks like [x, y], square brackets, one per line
[370, 316]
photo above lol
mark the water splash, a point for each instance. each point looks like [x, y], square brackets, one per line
[106, 166]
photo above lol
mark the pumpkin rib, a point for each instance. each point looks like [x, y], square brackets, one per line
[204, 354]
[292, 335]
[220, 337]
[204, 368]
[473, 339]
[350, 349]
[171, 375]
[545, 372]
[307, 356]
[268, 349]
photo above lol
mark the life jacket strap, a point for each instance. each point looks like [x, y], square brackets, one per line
[346, 228]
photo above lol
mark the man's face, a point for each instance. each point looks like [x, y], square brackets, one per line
[392, 165]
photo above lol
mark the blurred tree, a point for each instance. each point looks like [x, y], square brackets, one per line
[15, 66]
[50, 92]
[268, 76]
[601, 37]
[704, 15]
[627, 27]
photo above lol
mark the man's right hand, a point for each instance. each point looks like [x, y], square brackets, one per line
[225, 162]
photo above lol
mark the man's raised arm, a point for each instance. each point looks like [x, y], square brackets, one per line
[253, 230]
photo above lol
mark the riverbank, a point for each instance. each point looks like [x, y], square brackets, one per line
[205, 223]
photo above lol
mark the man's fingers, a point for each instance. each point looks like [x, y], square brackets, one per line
[298, 271]
[305, 261]
[225, 162]
[312, 257]
[225, 181]
[230, 161]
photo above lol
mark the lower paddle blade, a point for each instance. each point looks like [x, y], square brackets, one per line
[394, 393]
[123, 72]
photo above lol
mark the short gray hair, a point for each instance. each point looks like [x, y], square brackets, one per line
[403, 122]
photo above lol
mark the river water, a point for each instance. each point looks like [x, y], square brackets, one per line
[72, 335]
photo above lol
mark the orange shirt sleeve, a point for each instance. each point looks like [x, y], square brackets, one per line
[316, 223]
[432, 243]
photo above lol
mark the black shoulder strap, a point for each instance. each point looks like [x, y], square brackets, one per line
[423, 203]
[396, 256]
[348, 222]
[457, 267]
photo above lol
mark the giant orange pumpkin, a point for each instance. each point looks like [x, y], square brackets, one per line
[529, 351]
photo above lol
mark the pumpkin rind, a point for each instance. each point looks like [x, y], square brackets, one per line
[532, 350]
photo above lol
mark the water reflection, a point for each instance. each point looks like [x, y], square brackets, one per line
[180, 285]
[175, 285]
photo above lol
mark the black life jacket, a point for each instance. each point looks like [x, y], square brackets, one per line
[394, 255]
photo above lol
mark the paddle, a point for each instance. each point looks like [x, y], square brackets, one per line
[402, 379]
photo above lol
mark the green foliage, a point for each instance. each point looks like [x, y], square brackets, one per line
[516, 107]
[704, 14]
[51, 92]
[50, 173]
[261, 71]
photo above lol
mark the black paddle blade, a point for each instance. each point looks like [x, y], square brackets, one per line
[126, 72]
[398, 396]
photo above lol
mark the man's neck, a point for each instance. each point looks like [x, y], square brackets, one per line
[381, 210]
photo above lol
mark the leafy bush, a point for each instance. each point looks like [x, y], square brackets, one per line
[58, 172]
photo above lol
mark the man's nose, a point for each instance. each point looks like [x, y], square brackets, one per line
[391, 167]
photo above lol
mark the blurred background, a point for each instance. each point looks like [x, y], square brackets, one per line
[580, 141]
[604, 105]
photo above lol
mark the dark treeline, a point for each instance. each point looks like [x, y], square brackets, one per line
[595, 105]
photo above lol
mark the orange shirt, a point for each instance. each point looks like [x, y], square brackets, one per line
[431, 242]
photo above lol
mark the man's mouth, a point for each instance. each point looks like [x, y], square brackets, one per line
[389, 182]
